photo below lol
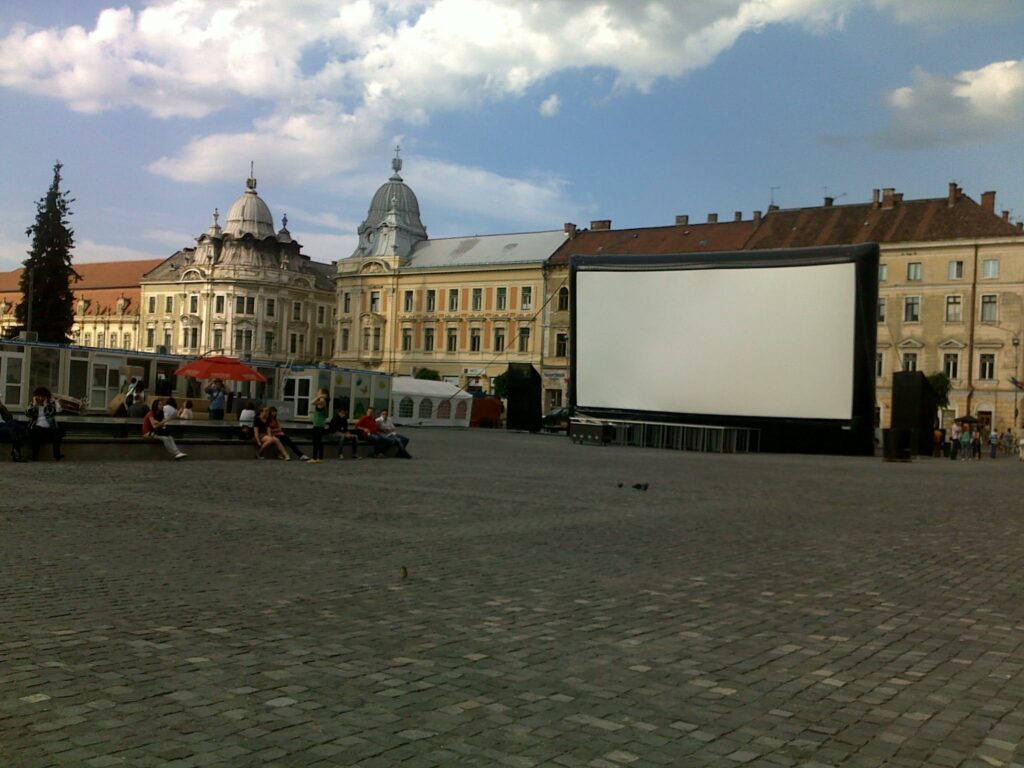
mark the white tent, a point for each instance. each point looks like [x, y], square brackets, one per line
[419, 402]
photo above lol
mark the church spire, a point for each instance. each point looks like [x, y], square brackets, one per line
[396, 163]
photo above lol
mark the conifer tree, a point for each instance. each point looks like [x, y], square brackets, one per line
[48, 267]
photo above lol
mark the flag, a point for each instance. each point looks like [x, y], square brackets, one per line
[1017, 384]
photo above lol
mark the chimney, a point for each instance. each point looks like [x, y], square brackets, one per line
[773, 207]
[898, 197]
[682, 220]
[829, 201]
[601, 224]
[887, 198]
[757, 215]
[570, 229]
[1006, 215]
[988, 202]
[954, 194]
[712, 218]
[874, 198]
[738, 216]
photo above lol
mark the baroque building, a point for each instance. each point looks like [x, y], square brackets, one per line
[244, 290]
[463, 306]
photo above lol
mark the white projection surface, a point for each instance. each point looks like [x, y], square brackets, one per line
[746, 341]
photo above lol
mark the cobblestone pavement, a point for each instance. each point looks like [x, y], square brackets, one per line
[745, 610]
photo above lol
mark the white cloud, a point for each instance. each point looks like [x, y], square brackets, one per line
[90, 250]
[550, 106]
[942, 12]
[969, 106]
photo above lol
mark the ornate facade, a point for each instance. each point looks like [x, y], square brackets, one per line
[463, 306]
[243, 290]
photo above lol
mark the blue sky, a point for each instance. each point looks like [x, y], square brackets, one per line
[512, 115]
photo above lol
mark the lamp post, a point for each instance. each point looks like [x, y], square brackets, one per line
[1016, 371]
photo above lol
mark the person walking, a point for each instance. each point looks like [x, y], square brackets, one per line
[42, 423]
[215, 392]
[320, 412]
[154, 427]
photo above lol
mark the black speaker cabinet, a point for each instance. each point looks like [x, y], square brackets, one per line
[915, 409]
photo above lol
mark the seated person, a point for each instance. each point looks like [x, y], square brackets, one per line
[263, 438]
[278, 431]
[367, 427]
[42, 423]
[338, 429]
[386, 430]
[155, 426]
[138, 409]
[11, 429]
[246, 417]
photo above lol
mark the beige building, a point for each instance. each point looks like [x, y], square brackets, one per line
[463, 306]
[243, 290]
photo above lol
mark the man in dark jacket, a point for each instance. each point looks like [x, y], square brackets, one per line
[338, 429]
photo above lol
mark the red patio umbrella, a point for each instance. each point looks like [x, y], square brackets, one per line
[218, 367]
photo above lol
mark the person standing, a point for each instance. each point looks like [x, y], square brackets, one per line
[42, 423]
[954, 441]
[10, 428]
[976, 443]
[155, 426]
[215, 392]
[965, 443]
[993, 443]
[319, 425]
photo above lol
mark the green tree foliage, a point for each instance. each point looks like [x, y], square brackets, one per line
[941, 384]
[499, 385]
[427, 373]
[49, 267]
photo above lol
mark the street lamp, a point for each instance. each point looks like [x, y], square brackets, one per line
[1016, 370]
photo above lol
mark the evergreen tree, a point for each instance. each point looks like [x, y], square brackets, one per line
[48, 266]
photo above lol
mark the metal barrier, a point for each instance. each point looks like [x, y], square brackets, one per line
[680, 437]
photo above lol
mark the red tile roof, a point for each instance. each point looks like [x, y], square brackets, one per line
[678, 238]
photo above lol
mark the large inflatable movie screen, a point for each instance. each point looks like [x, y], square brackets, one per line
[783, 335]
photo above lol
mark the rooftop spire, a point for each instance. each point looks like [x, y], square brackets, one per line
[251, 181]
[396, 163]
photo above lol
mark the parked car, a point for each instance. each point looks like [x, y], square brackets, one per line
[556, 420]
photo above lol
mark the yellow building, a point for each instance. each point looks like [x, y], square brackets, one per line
[463, 306]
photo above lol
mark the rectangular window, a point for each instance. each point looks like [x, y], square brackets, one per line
[951, 365]
[428, 339]
[150, 338]
[167, 340]
[474, 339]
[321, 314]
[293, 343]
[912, 309]
[453, 299]
[910, 361]
[954, 309]
[218, 304]
[406, 339]
[883, 272]
[319, 346]
[100, 339]
[524, 339]
[881, 310]
[407, 304]
[453, 340]
[239, 305]
[376, 339]
[344, 339]
[561, 344]
[269, 342]
[218, 340]
[375, 301]
[914, 271]
[366, 339]
[499, 339]
[193, 304]
[346, 304]
[271, 307]
[431, 301]
[194, 338]
[243, 341]
[168, 304]
[501, 298]
[956, 270]
[296, 310]
[526, 300]
[987, 367]
[879, 364]
[989, 308]
[478, 299]
[990, 269]
[152, 306]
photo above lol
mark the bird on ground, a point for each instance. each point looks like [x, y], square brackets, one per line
[641, 486]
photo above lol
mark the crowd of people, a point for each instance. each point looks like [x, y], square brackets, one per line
[968, 442]
[261, 426]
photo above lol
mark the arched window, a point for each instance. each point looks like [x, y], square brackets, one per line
[460, 410]
[563, 299]
[113, 340]
[426, 408]
[444, 410]
[405, 407]
[127, 341]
